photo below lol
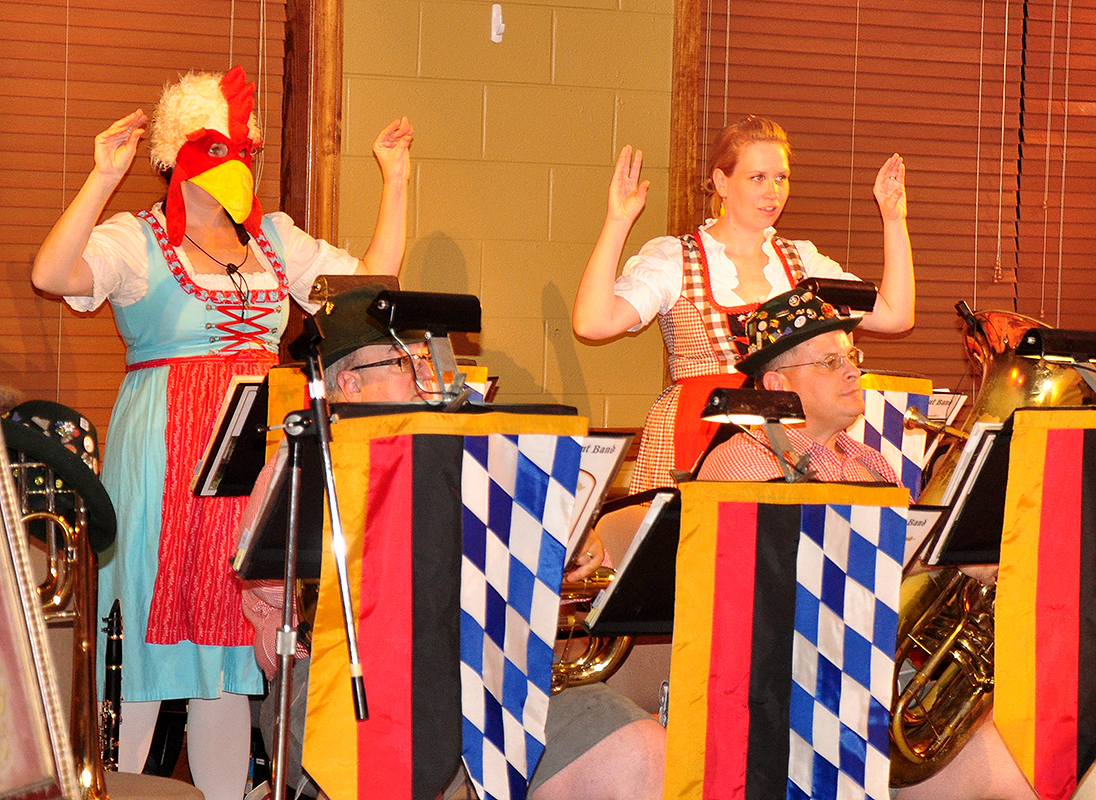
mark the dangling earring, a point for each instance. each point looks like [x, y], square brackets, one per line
[722, 207]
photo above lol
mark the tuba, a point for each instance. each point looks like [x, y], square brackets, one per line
[944, 661]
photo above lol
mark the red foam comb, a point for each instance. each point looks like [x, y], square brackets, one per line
[240, 95]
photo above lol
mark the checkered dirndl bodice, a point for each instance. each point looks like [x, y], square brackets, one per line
[702, 338]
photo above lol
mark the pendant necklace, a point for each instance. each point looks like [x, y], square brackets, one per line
[232, 270]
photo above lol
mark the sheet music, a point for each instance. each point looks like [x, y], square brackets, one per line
[602, 456]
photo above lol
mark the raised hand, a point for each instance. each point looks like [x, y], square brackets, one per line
[627, 194]
[890, 188]
[391, 147]
[117, 145]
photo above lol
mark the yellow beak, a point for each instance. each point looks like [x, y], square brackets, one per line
[232, 185]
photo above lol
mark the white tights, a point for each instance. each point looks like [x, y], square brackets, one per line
[218, 742]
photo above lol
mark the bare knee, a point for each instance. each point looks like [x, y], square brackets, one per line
[625, 765]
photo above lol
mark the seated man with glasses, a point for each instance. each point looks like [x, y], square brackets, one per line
[599, 744]
[798, 343]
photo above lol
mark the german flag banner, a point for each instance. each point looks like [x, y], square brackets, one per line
[1044, 703]
[456, 529]
[784, 638]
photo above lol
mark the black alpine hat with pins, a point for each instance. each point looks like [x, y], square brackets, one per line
[782, 322]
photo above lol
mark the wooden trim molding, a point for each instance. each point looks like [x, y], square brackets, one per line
[312, 115]
[684, 105]
[311, 127]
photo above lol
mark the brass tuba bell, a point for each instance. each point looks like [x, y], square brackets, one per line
[583, 658]
[944, 663]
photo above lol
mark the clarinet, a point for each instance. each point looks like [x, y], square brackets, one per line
[111, 717]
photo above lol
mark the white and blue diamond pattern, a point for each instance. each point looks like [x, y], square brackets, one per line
[881, 427]
[846, 620]
[518, 496]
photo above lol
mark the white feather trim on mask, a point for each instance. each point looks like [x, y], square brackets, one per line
[195, 102]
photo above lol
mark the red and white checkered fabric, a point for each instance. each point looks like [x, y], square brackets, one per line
[702, 338]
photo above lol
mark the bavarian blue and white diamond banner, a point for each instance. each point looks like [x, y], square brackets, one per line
[848, 574]
[518, 495]
[886, 399]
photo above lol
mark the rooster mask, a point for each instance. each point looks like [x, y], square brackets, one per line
[203, 130]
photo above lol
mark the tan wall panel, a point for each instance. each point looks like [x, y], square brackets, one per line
[514, 348]
[380, 38]
[573, 366]
[456, 43]
[448, 116]
[514, 147]
[580, 46]
[578, 211]
[485, 200]
[547, 124]
[560, 264]
[438, 263]
[640, 117]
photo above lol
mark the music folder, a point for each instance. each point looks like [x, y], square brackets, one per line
[640, 600]
[236, 451]
[969, 530]
[260, 553]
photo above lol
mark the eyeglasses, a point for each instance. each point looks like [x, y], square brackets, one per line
[404, 362]
[832, 362]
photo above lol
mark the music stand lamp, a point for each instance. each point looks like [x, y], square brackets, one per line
[844, 295]
[1061, 346]
[772, 411]
[437, 315]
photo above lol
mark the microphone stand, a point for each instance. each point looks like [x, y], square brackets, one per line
[296, 425]
[316, 421]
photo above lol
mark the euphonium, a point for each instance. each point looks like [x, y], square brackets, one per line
[72, 577]
[944, 663]
[595, 658]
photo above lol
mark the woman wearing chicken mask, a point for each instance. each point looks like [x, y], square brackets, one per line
[200, 287]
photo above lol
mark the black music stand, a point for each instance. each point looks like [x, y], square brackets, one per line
[969, 530]
[640, 600]
[398, 311]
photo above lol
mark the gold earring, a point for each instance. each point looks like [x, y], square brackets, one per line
[722, 208]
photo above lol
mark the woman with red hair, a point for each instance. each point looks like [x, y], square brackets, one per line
[701, 286]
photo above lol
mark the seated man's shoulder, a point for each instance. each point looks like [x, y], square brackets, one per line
[740, 458]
